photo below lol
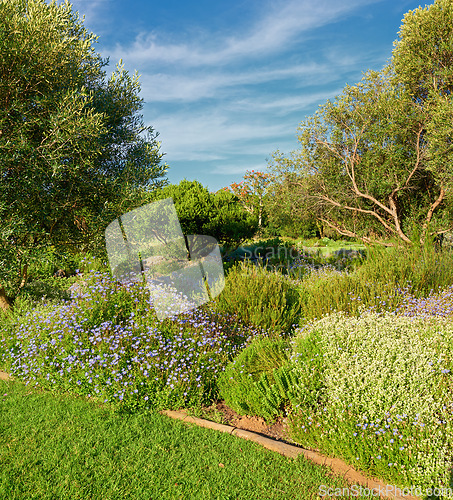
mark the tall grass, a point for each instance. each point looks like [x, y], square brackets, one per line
[384, 281]
[422, 268]
[277, 297]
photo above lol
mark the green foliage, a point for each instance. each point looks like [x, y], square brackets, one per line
[308, 365]
[422, 267]
[259, 297]
[193, 203]
[315, 286]
[230, 224]
[422, 55]
[379, 282]
[266, 250]
[214, 214]
[74, 150]
[50, 289]
[257, 382]
[372, 162]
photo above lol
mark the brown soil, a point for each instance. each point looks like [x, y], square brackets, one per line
[278, 430]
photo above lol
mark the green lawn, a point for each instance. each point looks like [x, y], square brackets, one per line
[56, 447]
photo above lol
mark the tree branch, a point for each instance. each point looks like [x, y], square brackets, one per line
[430, 213]
[351, 234]
[355, 209]
[417, 161]
[396, 219]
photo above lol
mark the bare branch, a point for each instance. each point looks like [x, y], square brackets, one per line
[430, 213]
[417, 161]
[416, 167]
[443, 231]
[351, 234]
[361, 210]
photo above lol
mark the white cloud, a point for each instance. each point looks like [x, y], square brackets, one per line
[223, 101]
[164, 87]
[95, 11]
[216, 135]
[282, 22]
[283, 105]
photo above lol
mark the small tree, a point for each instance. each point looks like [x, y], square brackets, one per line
[251, 192]
[219, 215]
[374, 163]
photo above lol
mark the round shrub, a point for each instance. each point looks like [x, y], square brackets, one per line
[256, 381]
[260, 297]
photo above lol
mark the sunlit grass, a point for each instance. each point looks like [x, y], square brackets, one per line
[54, 446]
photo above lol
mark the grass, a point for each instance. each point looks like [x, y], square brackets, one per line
[325, 247]
[55, 446]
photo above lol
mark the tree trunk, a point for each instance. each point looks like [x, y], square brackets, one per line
[4, 302]
[24, 276]
[260, 213]
[430, 214]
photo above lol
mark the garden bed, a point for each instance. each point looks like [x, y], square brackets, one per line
[288, 356]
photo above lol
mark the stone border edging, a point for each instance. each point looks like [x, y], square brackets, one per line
[338, 466]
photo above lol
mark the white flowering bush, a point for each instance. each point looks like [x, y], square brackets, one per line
[385, 393]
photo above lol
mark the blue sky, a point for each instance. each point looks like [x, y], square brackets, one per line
[227, 83]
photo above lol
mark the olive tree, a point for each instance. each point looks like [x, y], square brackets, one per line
[73, 147]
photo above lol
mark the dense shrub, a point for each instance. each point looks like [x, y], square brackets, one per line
[383, 397]
[355, 384]
[260, 297]
[215, 214]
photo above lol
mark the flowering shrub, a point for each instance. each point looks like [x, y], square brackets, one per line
[385, 394]
[107, 344]
[438, 304]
